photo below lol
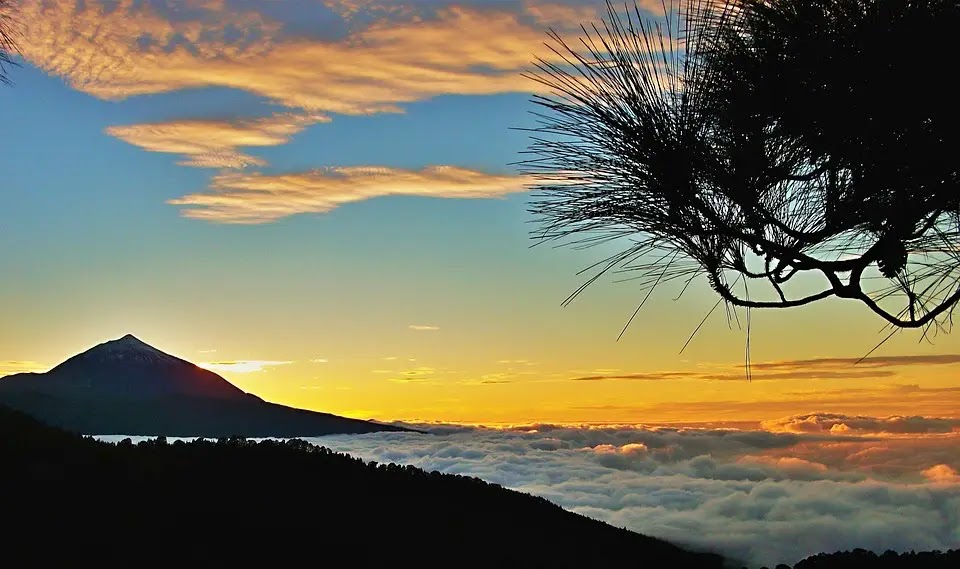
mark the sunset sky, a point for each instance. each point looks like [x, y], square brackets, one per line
[317, 200]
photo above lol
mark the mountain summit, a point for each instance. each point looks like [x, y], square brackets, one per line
[128, 387]
[129, 349]
[129, 368]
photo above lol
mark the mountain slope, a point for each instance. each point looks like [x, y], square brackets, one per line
[281, 503]
[128, 387]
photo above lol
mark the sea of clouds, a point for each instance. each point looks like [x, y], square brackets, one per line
[792, 488]
[786, 490]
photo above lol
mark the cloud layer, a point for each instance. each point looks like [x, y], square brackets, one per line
[820, 368]
[759, 497]
[123, 49]
[215, 143]
[360, 57]
[845, 424]
[261, 198]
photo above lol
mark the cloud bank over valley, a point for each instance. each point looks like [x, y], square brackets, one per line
[802, 485]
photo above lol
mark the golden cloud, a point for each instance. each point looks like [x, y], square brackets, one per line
[755, 375]
[881, 401]
[213, 143]
[840, 424]
[558, 13]
[258, 198]
[131, 48]
[872, 362]
[817, 368]
[942, 474]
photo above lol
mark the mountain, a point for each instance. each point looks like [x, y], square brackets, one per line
[127, 387]
[70, 500]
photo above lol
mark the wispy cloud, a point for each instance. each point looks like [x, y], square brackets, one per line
[564, 14]
[887, 400]
[653, 376]
[241, 366]
[755, 375]
[815, 368]
[423, 328]
[319, 360]
[872, 362]
[252, 198]
[389, 56]
[207, 143]
[418, 374]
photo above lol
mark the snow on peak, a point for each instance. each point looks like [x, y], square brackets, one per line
[130, 349]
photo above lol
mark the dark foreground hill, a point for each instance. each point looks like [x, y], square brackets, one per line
[126, 387]
[73, 501]
[863, 559]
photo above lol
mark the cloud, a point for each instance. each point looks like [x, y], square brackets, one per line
[563, 14]
[124, 49]
[251, 198]
[873, 362]
[423, 328]
[840, 424]
[943, 474]
[755, 375]
[760, 498]
[319, 360]
[884, 400]
[351, 10]
[817, 368]
[418, 374]
[655, 376]
[207, 143]
[369, 57]
[241, 366]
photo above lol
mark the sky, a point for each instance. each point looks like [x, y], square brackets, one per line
[319, 200]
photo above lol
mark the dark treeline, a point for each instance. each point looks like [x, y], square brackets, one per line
[861, 558]
[68, 498]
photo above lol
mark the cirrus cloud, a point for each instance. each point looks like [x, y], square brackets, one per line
[241, 366]
[251, 198]
[208, 143]
[122, 49]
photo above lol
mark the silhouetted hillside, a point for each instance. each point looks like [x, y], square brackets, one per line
[126, 387]
[862, 559]
[239, 502]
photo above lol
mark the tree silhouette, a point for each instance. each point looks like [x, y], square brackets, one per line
[755, 141]
[9, 34]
